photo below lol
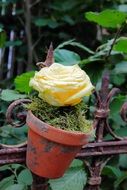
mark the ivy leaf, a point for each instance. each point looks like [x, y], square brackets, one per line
[25, 177]
[121, 45]
[112, 171]
[7, 182]
[22, 82]
[73, 179]
[16, 187]
[66, 57]
[11, 95]
[107, 18]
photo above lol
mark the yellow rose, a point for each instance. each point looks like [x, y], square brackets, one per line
[61, 85]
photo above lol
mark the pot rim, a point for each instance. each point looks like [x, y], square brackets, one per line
[74, 138]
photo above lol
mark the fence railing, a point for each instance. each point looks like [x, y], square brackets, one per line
[100, 151]
[10, 62]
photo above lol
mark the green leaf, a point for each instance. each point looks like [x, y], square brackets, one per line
[107, 18]
[116, 104]
[11, 95]
[77, 44]
[118, 79]
[14, 43]
[66, 57]
[123, 161]
[73, 179]
[68, 19]
[25, 177]
[16, 187]
[22, 82]
[112, 171]
[120, 68]
[45, 22]
[121, 45]
[7, 182]
[76, 163]
[64, 7]
[122, 132]
[2, 38]
[120, 180]
[5, 167]
[16, 166]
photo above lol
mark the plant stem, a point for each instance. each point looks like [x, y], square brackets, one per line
[114, 41]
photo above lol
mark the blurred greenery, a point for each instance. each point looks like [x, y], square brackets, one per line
[89, 33]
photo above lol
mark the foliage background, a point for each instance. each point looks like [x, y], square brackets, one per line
[79, 36]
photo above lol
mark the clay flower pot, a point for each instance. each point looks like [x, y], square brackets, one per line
[50, 150]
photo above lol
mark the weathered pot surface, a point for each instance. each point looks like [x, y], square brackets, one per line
[50, 150]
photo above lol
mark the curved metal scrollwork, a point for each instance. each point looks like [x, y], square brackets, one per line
[17, 111]
[103, 98]
[123, 112]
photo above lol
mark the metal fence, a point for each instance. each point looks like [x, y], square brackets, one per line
[10, 62]
[99, 151]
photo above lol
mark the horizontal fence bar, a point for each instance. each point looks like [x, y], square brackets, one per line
[12, 155]
[18, 155]
[103, 148]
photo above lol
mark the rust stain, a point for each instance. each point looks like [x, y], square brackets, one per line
[68, 149]
[48, 145]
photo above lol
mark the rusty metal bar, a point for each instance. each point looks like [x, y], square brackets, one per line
[104, 148]
[12, 155]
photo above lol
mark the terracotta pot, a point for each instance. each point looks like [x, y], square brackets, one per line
[50, 150]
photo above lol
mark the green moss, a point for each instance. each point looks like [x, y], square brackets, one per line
[71, 118]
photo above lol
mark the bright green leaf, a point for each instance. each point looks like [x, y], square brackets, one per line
[76, 163]
[22, 82]
[11, 95]
[7, 182]
[73, 179]
[107, 18]
[16, 187]
[16, 166]
[25, 177]
[66, 57]
[5, 167]
[121, 45]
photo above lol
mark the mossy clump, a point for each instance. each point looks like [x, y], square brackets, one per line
[71, 118]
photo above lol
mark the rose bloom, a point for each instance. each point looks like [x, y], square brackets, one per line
[61, 85]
